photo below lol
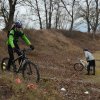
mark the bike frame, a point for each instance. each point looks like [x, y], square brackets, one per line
[23, 60]
[84, 63]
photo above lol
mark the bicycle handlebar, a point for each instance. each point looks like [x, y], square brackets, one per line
[25, 50]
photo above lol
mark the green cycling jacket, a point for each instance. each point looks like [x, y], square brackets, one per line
[14, 36]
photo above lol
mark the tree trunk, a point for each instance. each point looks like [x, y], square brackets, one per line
[39, 14]
[46, 14]
[11, 14]
[57, 16]
[87, 17]
[50, 14]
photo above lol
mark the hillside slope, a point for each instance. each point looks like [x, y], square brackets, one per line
[61, 45]
[56, 42]
[55, 47]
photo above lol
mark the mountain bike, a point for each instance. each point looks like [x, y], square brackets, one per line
[28, 69]
[80, 65]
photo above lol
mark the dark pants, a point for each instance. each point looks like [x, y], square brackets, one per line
[11, 55]
[91, 64]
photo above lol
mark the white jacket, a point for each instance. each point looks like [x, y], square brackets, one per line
[89, 56]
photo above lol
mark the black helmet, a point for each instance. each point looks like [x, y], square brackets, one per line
[85, 49]
[18, 24]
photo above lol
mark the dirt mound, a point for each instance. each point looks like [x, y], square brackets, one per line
[55, 47]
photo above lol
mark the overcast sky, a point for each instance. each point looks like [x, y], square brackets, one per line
[23, 14]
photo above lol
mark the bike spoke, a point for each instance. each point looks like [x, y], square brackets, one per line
[78, 67]
[30, 72]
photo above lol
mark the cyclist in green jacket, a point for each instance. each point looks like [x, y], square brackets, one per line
[12, 42]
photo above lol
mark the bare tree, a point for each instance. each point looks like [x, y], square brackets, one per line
[70, 13]
[50, 13]
[84, 12]
[94, 21]
[46, 13]
[90, 13]
[38, 11]
[35, 9]
[57, 14]
[8, 12]
[4, 11]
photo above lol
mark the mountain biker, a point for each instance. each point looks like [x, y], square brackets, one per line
[12, 42]
[91, 60]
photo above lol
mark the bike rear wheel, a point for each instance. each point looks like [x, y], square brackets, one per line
[78, 67]
[4, 64]
[30, 72]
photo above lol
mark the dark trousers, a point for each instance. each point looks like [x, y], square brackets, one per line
[91, 64]
[11, 54]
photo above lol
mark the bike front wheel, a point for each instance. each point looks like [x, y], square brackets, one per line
[30, 72]
[78, 67]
